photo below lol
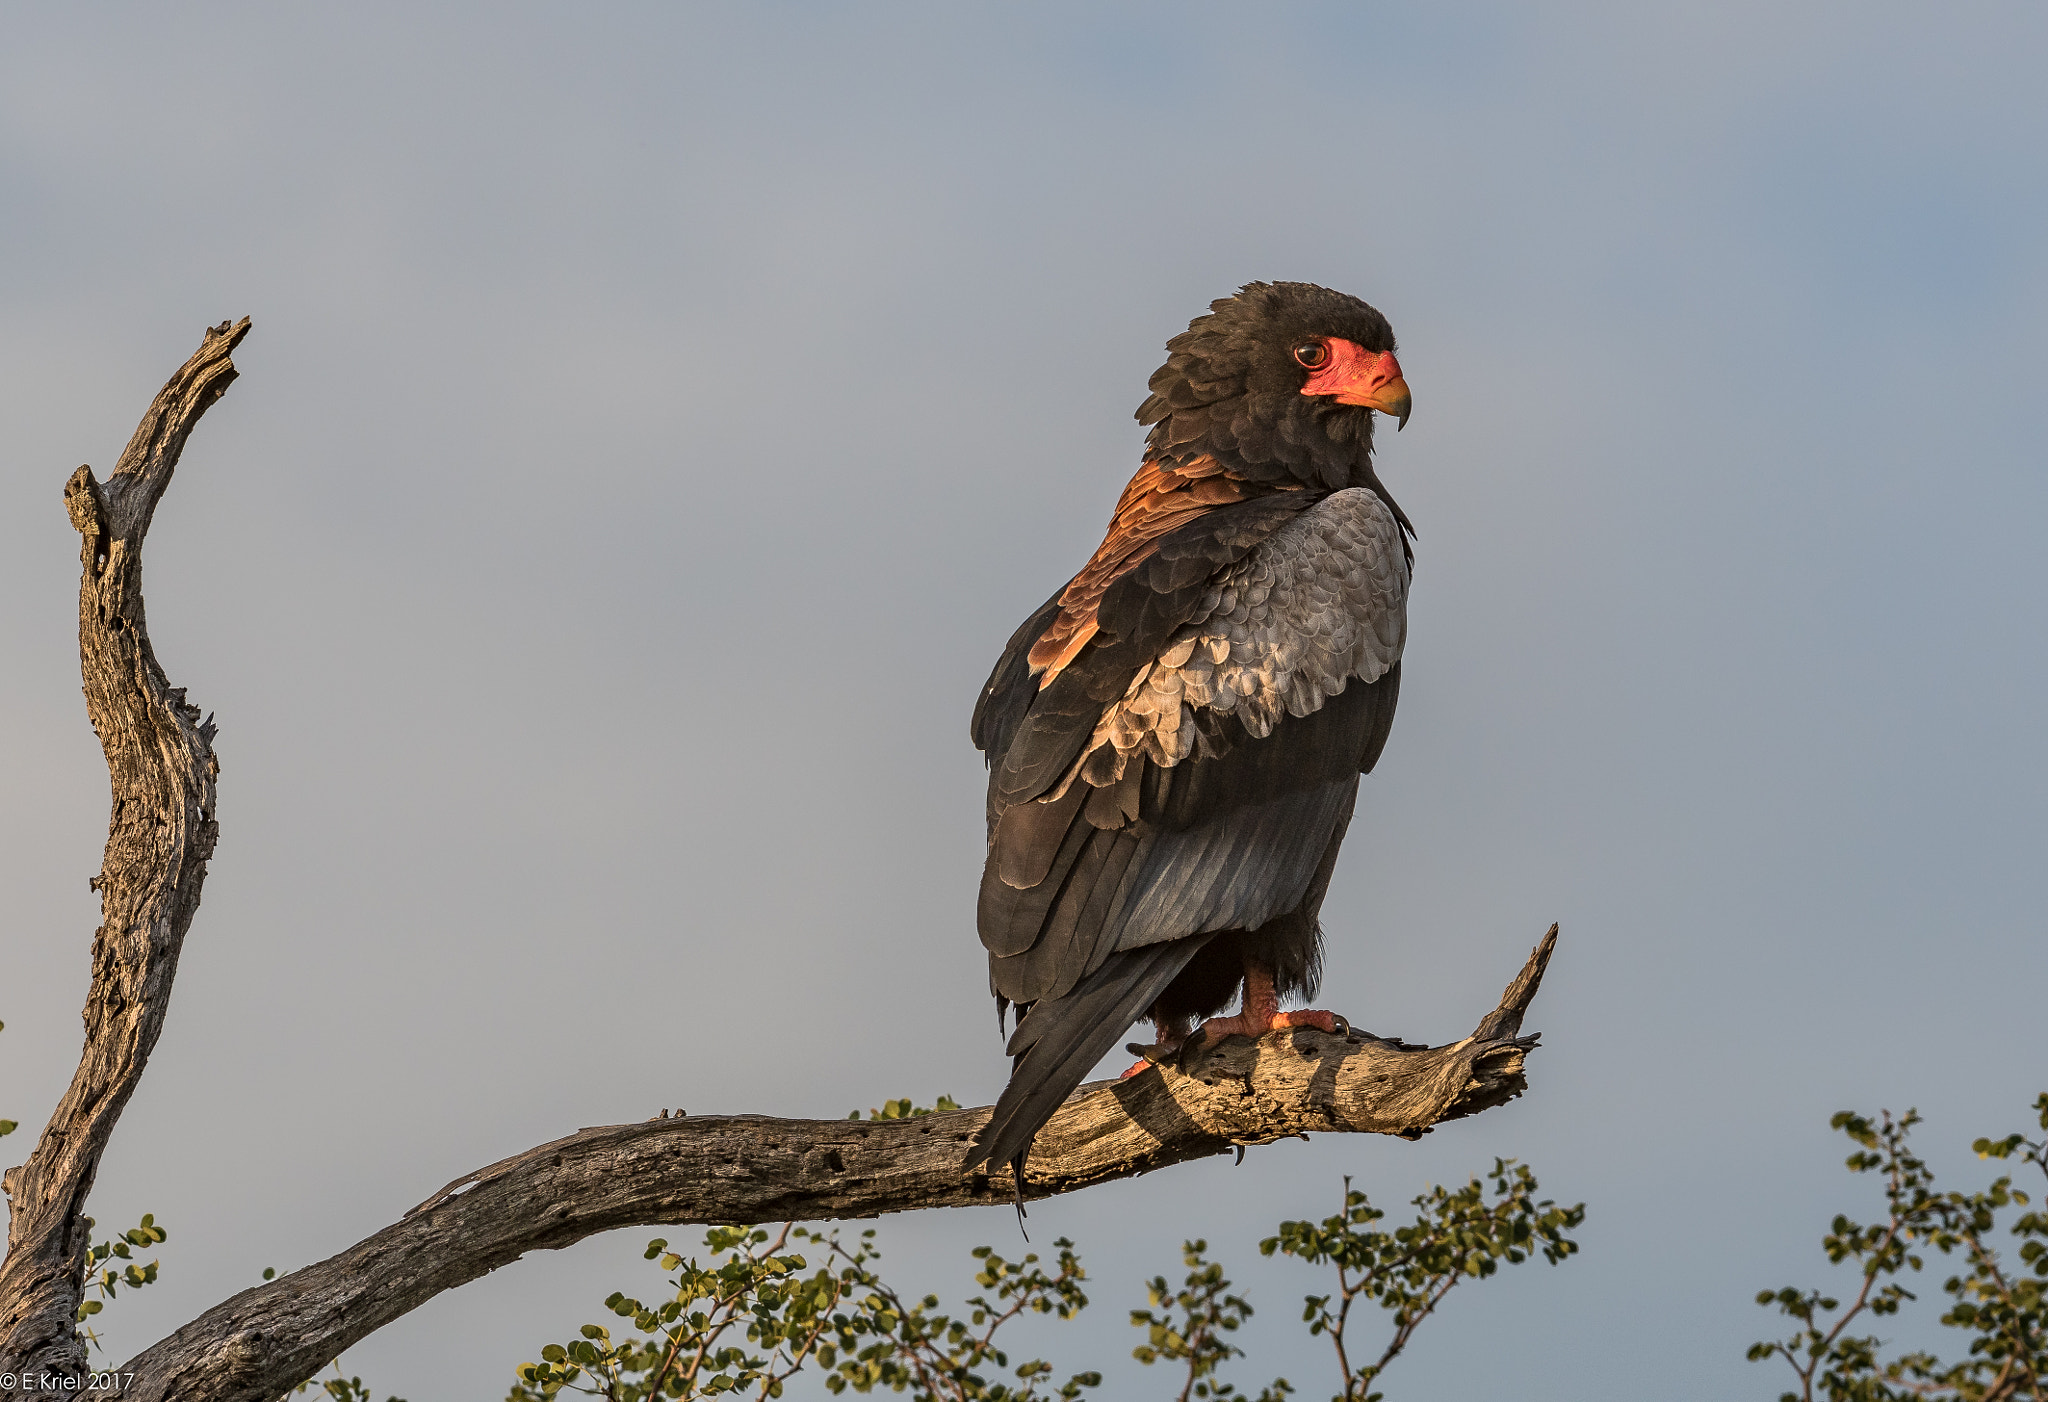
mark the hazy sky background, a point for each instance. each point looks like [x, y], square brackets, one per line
[657, 417]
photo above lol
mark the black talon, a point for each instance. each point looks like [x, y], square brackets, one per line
[1158, 1053]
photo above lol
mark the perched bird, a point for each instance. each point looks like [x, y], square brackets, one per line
[1175, 739]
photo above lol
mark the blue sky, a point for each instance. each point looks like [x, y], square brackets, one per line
[657, 417]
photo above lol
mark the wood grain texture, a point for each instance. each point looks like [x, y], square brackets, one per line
[753, 1168]
[714, 1169]
[160, 762]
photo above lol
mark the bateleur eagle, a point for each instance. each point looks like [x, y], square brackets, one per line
[1175, 739]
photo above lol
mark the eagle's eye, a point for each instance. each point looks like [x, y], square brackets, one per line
[1312, 355]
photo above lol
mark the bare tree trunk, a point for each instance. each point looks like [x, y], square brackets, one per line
[735, 1168]
[160, 761]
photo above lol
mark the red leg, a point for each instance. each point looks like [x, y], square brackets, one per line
[1261, 1012]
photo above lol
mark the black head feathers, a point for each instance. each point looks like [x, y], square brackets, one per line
[1231, 388]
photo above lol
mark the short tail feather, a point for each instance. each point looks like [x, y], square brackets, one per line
[1060, 1039]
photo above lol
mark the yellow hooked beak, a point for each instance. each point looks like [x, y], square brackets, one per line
[1357, 376]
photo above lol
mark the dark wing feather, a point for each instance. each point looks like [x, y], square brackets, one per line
[1046, 742]
[1093, 903]
[1234, 872]
[1033, 736]
[1011, 913]
[1008, 693]
[1143, 608]
[1386, 694]
[1057, 1044]
[1224, 840]
[1237, 837]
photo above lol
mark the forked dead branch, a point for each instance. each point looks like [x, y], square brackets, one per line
[665, 1171]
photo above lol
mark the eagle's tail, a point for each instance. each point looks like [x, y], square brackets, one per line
[1060, 1039]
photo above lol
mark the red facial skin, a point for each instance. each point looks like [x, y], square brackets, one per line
[1354, 375]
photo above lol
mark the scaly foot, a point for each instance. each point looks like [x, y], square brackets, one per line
[1257, 1023]
[1173, 1036]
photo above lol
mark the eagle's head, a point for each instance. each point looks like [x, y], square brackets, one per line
[1280, 381]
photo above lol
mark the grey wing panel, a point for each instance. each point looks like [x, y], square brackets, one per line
[1033, 735]
[1321, 603]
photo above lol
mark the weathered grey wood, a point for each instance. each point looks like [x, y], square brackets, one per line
[161, 832]
[734, 1168]
[752, 1168]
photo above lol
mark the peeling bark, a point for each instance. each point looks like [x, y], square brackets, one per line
[666, 1171]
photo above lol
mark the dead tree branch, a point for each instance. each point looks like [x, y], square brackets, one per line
[753, 1168]
[160, 760]
[712, 1169]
